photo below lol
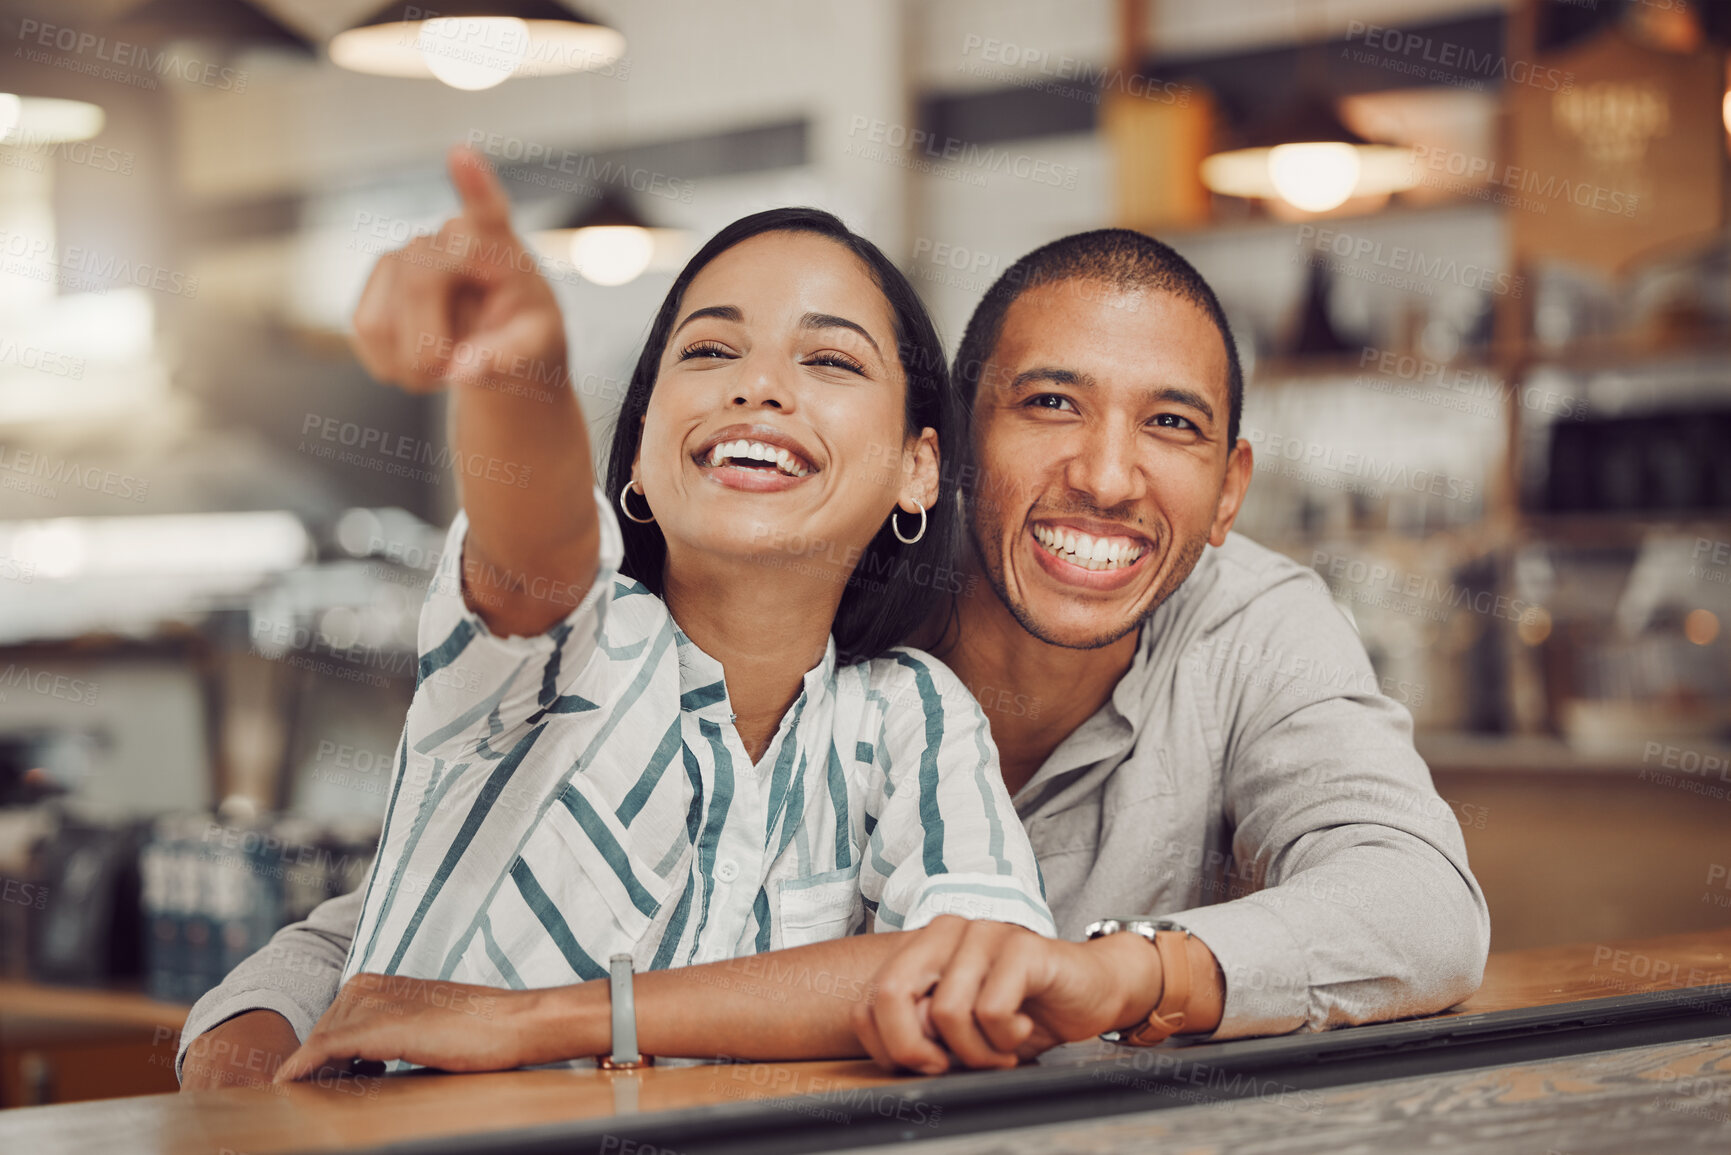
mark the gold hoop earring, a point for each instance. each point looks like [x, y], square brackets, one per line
[895, 527]
[626, 509]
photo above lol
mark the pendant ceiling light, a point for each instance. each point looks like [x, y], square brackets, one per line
[233, 23]
[1311, 160]
[476, 44]
[609, 242]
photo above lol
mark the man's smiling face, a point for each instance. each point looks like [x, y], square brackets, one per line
[1100, 428]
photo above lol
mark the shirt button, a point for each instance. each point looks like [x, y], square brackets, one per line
[727, 870]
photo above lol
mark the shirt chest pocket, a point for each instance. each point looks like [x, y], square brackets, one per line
[820, 907]
[610, 866]
[1072, 831]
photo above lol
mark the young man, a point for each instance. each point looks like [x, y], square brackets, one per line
[1192, 734]
[1189, 733]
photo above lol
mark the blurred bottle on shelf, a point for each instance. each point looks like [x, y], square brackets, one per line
[214, 893]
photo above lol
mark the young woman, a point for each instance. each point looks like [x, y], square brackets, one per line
[685, 735]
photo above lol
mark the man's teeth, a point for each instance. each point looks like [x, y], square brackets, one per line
[1089, 552]
[726, 451]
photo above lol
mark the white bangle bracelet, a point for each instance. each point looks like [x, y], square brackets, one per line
[624, 1008]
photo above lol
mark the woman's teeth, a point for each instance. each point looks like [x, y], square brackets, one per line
[747, 451]
[1089, 552]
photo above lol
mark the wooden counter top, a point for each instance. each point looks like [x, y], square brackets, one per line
[371, 1112]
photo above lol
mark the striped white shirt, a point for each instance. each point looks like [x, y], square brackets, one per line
[560, 798]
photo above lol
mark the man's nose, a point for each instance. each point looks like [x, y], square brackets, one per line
[1105, 468]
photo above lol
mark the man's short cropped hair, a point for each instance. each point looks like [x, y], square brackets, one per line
[1122, 258]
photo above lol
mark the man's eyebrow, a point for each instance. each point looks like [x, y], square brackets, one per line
[1179, 396]
[831, 321]
[724, 312]
[1050, 375]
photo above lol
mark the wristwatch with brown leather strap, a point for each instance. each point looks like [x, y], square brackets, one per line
[1173, 944]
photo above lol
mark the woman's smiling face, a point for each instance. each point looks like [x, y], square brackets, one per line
[777, 424]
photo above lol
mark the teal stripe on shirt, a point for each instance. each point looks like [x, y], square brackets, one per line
[651, 776]
[838, 799]
[719, 800]
[378, 863]
[931, 818]
[557, 928]
[506, 970]
[584, 812]
[445, 652]
[429, 806]
[468, 717]
[477, 814]
[778, 780]
[994, 827]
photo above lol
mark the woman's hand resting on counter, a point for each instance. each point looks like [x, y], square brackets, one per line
[450, 1026]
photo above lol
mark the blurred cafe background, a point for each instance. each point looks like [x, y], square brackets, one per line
[1475, 253]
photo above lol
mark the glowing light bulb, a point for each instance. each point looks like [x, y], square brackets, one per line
[612, 254]
[1314, 177]
[473, 52]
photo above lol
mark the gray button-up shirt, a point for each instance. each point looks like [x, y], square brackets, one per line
[1251, 779]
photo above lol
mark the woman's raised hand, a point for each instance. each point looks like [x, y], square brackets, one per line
[468, 307]
[464, 305]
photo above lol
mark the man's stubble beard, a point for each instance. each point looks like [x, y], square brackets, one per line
[1190, 552]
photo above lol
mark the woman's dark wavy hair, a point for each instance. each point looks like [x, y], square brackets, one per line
[894, 586]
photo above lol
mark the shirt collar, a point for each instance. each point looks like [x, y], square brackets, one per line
[703, 685]
[1127, 700]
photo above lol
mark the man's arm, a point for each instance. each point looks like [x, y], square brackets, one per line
[1363, 906]
[241, 1029]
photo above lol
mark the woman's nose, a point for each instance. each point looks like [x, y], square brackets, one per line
[761, 385]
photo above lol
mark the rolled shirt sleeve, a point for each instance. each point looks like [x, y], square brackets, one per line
[943, 835]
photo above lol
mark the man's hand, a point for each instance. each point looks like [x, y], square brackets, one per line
[464, 305]
[240, 1052]
[990, 994]
[451, 1026]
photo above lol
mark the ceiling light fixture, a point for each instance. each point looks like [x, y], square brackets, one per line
[609, 242]
[476, 44]
[1311, 160]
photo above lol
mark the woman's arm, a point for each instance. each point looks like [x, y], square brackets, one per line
[468, 308]
[788, 1004]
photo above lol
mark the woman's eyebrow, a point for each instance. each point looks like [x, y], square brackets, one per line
[724, 312]
[831, 321]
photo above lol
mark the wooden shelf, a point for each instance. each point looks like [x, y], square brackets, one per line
[1531, 753]
[1620, 529]
[1596, 353]
[110, 1007]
